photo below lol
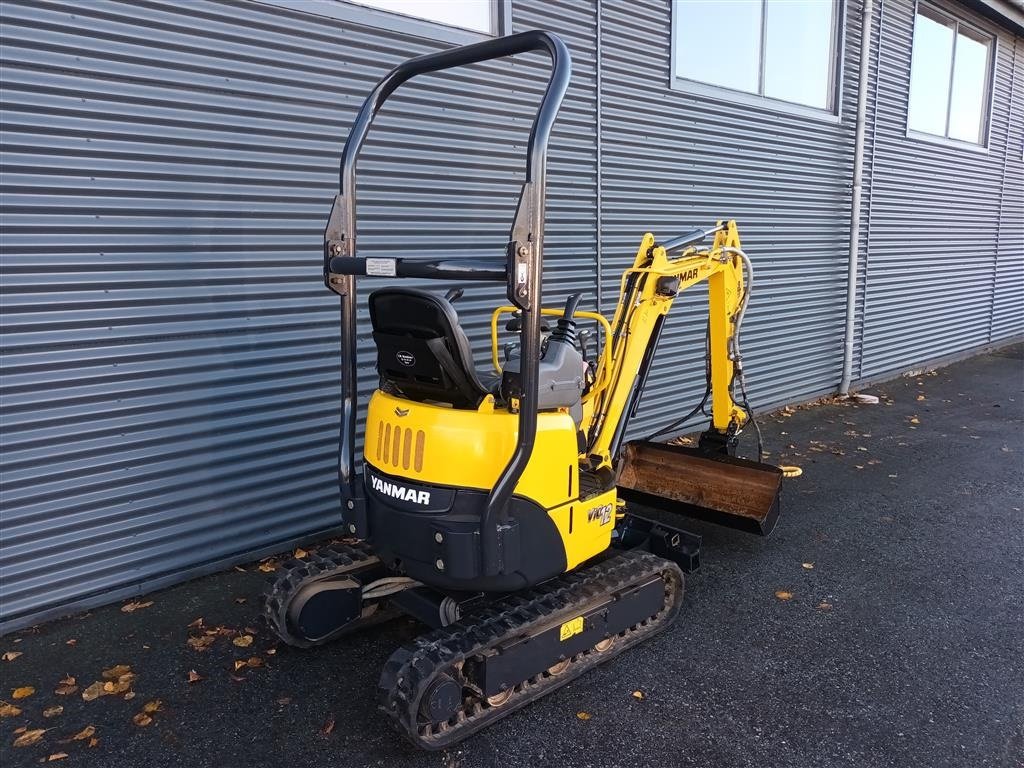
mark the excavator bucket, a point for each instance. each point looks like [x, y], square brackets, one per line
[738, 493]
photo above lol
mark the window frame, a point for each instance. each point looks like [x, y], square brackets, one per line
[941, 14]
[837, 52]
[393, 21]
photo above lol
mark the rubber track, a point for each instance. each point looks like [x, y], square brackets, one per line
[410, 670]
[293, 574]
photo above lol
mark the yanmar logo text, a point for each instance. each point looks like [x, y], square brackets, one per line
[396, 491]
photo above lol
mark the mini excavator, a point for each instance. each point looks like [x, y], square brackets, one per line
[494, 509]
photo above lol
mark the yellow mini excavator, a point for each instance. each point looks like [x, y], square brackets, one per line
[493, 509]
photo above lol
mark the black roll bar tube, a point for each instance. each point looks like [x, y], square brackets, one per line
[524, 260]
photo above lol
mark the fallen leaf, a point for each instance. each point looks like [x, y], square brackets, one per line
[56, 756]
[328, 726]
[243, 641]
[142, 719]
[196, 624]
[116, 672]
[152, 706]
[237, 678]
[268, 566]
[93, 742]
[254, 662]
[193, 676]
[914, 420]
[11, 655]
[52, 711]
[200, 643]
[72, 642]
[784, 595]
[22, 693]
[300, 553]
[85, 733]
[808, 566]
[823, 606]
[28, 738]
[129, 695]
[135, 606]
[240, 569]
[583, 715]
[67, 687]
[9, 710]
[638, 695]
[272, 651]
[240, 664]
[920, 397]
[93, 692]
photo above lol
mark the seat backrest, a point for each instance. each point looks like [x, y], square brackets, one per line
[421, 349]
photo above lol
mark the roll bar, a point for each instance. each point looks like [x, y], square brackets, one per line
[522, 266]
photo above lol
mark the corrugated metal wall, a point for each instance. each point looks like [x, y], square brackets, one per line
[673, 160]
[170, 354]
[938, 215]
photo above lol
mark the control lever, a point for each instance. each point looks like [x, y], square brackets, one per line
[515, 324]
[584, 339]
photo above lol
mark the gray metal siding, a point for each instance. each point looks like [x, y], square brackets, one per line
[169, 392]
[673, 160]
[935, 220]
[170, 354]
[1008, 302]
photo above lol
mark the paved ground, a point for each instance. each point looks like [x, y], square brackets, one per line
[902, 646]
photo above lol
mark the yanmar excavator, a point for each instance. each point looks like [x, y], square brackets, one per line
[494, 509]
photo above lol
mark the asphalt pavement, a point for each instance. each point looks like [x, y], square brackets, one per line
[882, 624]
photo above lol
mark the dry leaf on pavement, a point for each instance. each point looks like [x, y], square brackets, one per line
[135, 606]
[117, 671]
[196, 624]
[268, 566]
[152, 706]
[243, 641]
[201, 643]
[784, 595]
[93, 692]
[809, 566]
[300, 553]
[56, 756]
[11, 655]
[9, 710]
[193, 676]
[638, 695]
[583, 715]
[52, 711]
[823, 606]
[28, 738]
[328, 726]
[85, 733]
[22, 693]
[142, 719]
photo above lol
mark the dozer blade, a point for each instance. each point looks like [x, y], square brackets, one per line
[738, 493]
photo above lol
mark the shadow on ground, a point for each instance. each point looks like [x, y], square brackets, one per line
[901, 643]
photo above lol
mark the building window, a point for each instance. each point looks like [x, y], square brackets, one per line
[949, 78]
[779, 49]
[476, 15]
[452, 21]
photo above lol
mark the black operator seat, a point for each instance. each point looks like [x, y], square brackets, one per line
[422, 350]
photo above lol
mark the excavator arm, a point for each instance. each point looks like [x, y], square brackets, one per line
[647, 292]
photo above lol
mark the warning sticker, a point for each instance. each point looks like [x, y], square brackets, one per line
[380, 267]
[570, 628]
